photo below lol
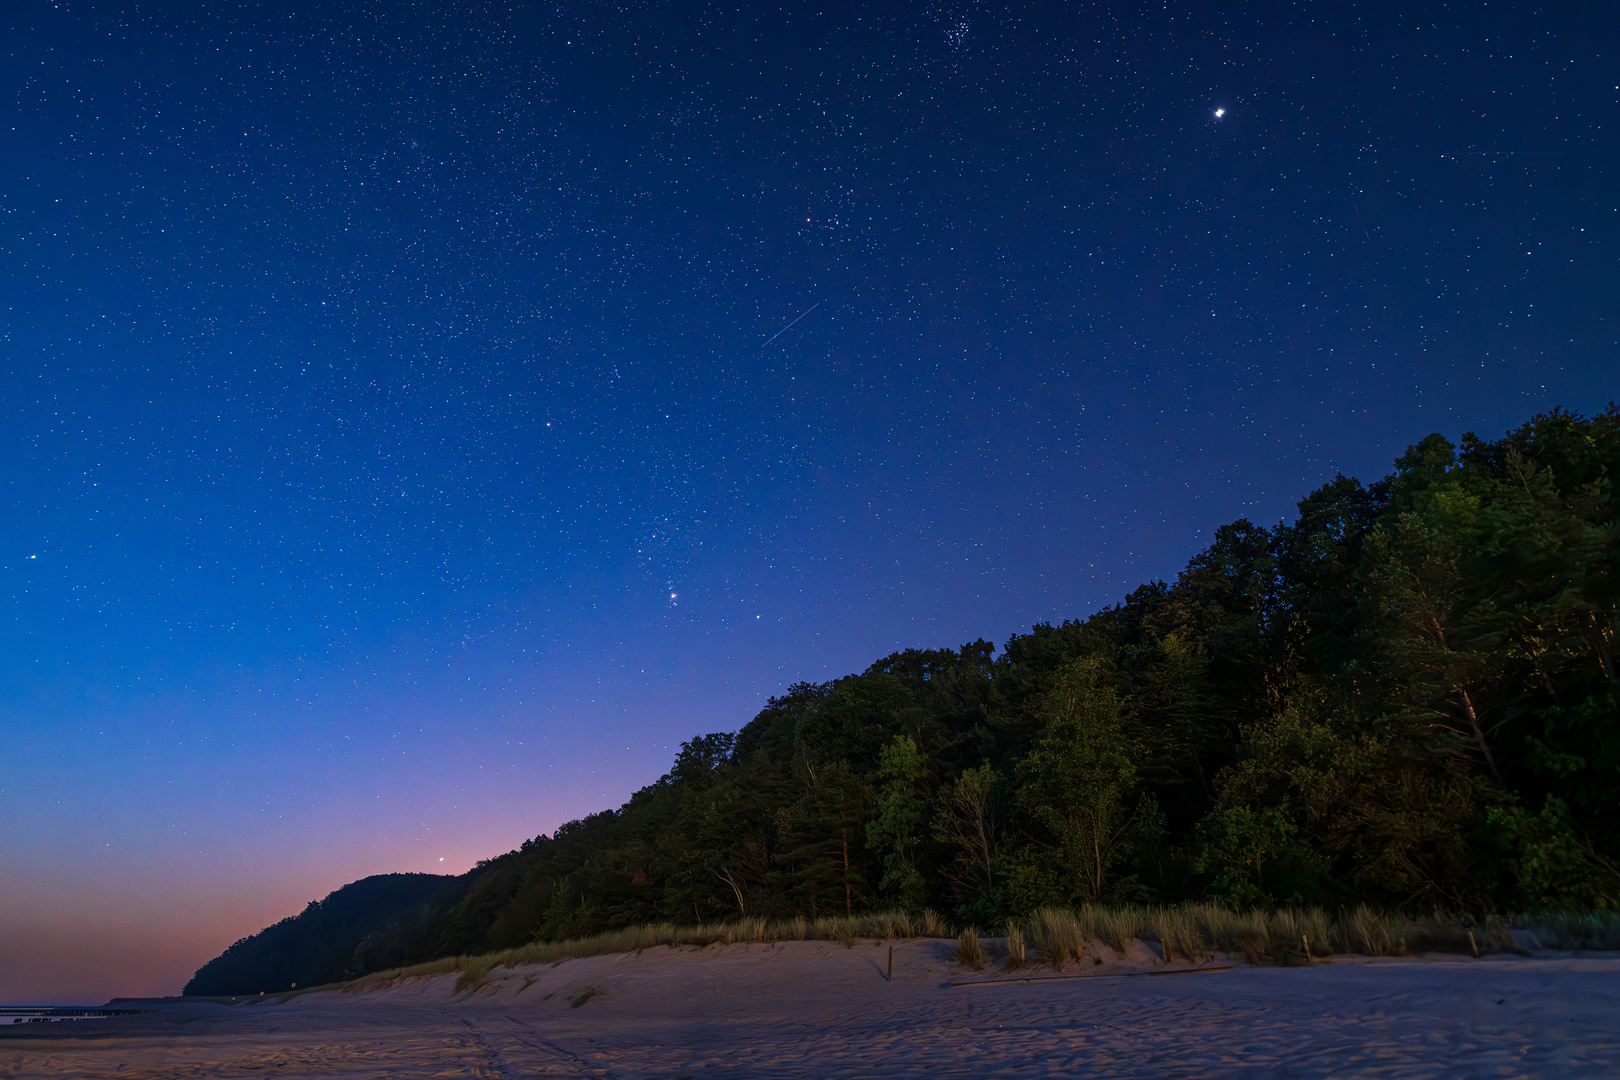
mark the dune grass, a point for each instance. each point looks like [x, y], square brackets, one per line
[970, 950]
[1057, 936]
[1575, 930]
[1195, 931]
[1016, 948]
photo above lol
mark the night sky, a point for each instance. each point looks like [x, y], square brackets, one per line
[419, 418]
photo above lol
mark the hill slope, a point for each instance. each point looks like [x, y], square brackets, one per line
[1406, 697]
[373, 923]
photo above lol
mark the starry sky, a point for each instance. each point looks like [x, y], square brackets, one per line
[419, 418]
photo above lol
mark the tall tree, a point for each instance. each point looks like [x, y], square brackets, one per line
[1079, 784]
[896, 831]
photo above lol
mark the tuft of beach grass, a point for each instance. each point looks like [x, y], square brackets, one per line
[1017, 949]
[969, 949]
[1058, 934]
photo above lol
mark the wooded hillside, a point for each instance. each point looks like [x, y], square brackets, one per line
[1407, 696]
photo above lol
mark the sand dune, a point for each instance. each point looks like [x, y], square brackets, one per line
[819, 1009]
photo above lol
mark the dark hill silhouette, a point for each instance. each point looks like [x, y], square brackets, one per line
[370, 924]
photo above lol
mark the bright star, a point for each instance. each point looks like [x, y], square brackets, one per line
[1219, 113]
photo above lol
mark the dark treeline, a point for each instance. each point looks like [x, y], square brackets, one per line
[1406, 697]
[383, 921]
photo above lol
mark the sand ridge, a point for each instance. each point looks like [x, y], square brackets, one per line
[821, 1009]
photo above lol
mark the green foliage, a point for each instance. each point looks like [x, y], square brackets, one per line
[1079, 784]
[1384, 798]
[1552, 866]
[1359, 707]
[968, 824]
[1576, 751]
[895, 832]
[1254, 856]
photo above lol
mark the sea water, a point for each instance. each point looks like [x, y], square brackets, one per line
[45, 1014]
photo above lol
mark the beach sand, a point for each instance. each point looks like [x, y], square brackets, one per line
[821, 1009]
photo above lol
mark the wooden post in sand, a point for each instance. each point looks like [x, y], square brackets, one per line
[1307, 941]
[890, 976]
[1474, 943]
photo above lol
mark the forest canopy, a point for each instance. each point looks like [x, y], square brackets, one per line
[1406, 697]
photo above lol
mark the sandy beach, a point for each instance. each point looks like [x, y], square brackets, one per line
[821, 1009]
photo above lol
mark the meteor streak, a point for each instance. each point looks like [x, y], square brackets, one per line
[789, 326]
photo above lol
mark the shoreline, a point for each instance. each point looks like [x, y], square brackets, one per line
[825, 1009]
